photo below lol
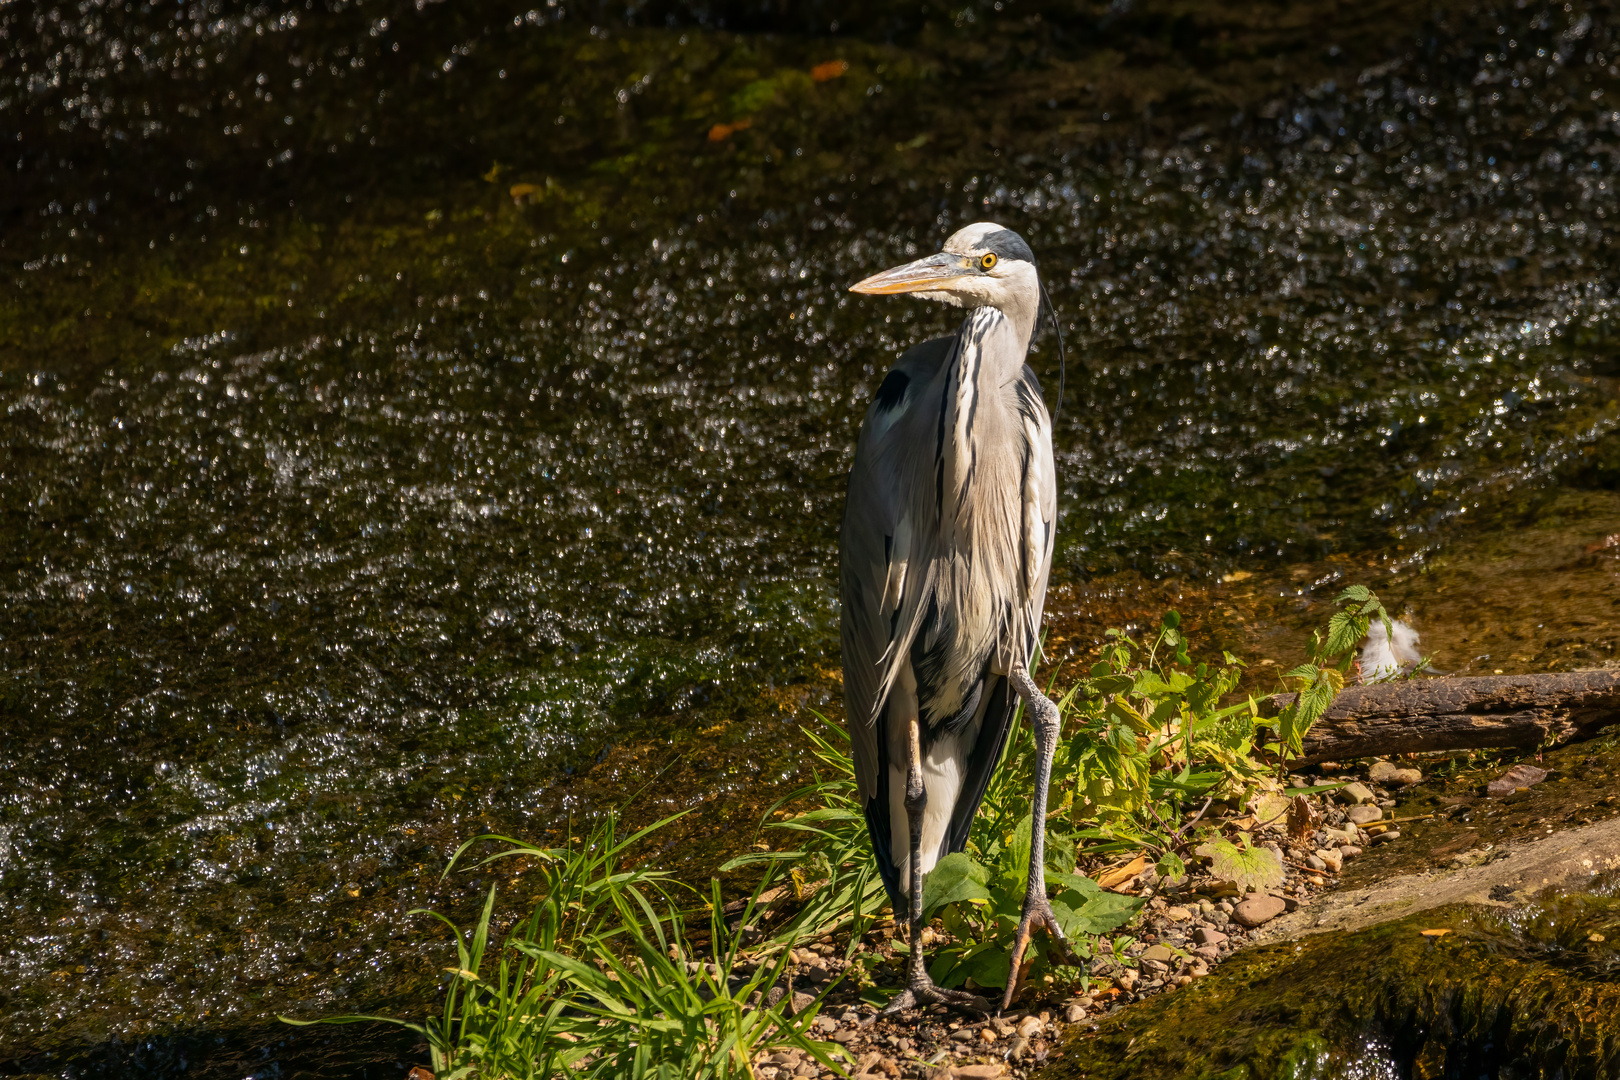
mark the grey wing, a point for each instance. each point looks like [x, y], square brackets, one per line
[886, 546]
[1039, 504]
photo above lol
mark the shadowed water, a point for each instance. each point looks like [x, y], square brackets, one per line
[420, 422]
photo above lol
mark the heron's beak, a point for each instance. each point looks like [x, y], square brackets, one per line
[920, 276]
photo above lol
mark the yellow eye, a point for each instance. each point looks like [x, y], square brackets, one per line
[988, 261]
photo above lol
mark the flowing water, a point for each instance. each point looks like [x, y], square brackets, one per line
[424, 419]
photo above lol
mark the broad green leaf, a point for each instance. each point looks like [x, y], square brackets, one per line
[1096, 913]
[987, 967]
[955, 878]
[1257, 867]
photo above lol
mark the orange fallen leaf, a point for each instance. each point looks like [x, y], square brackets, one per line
[1434, 933]
[722, 132]
[519, 192]
[832, 69]
[1119, 875]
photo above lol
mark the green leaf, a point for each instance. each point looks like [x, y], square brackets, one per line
[1015, 862]
[1257, 867]
[1171, 868]
[1098, 912]
[1344, 631]
[1171, 620]
[988, 967]
[955, 878]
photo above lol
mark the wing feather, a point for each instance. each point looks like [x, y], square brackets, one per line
[886, 546]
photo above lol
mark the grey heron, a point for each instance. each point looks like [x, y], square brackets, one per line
[943, 561]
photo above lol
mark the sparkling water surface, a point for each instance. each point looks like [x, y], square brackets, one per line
[424, 419]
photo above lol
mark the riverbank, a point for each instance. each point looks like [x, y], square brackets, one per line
[1188, 930]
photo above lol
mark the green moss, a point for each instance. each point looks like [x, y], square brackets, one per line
[1528, 993]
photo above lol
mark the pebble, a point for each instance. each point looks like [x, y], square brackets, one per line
[1029, 1026]
[1365, 815]
[1316, 862]
[1211, 953]
[1386, 837]
[1074, 1014]
[1350, 851]
[1206, 935]
[1019, 1049]
[1332, 859]
[1259, 909]
[1355, 794]
[1387, 772]
[1160, 953]
[1177, 914]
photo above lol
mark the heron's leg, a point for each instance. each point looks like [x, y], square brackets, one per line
[1043, 716]
[920, 989]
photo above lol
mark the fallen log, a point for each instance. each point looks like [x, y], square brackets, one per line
[1461, 713]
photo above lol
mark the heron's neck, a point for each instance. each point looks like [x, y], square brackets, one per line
[998, 340]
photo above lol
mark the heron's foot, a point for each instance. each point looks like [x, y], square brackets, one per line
[1037, 913]
[924, 992]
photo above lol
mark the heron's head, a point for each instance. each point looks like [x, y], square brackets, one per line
[983, 265]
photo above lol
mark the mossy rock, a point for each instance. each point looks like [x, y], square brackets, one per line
[1529, 992]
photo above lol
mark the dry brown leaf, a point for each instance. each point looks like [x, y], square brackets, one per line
[722, 132]
[1302, 817]
[1119, 875]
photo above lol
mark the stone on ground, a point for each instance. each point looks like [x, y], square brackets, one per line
[1259, 909]
[1356, 794]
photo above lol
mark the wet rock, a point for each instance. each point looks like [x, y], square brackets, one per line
[1365, 815]
[1349, 851]
[1520, 776]
[1355, 794]
[1259, 909]
[1387, 772]
[1386, 837]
